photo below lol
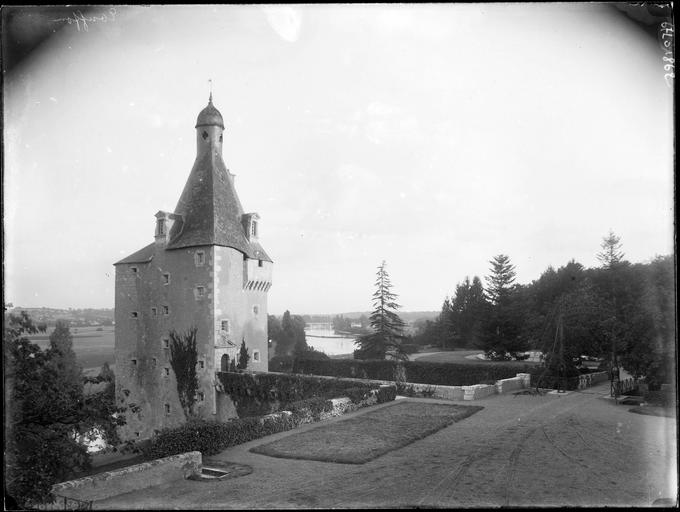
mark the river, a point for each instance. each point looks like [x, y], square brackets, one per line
[325, 340]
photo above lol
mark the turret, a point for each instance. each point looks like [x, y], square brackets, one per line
[209, 131]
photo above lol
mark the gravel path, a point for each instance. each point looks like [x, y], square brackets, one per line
[577, 449]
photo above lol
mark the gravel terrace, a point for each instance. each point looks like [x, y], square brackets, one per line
[578, 449]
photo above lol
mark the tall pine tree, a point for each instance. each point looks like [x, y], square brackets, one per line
[387, 327]
[501, 339]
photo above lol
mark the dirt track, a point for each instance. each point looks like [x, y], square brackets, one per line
[580, 449]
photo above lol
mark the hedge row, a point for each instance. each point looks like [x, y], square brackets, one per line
[443, 374]
[262, 393]
[211, 437]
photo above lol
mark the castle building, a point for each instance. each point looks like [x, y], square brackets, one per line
[205, 269]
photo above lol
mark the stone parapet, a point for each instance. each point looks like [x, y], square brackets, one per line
[132, 478]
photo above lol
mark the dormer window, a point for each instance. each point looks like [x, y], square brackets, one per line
[253, 228]
[160, 227]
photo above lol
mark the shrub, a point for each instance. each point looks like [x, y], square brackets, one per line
[312, 406]
[386, 394]
[262, 393]
[211, 437]
[356, 394]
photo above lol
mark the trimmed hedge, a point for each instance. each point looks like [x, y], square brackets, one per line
[257, 394]
[443, 374]
[211, 437]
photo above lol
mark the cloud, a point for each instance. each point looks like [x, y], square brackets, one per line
[285, 20]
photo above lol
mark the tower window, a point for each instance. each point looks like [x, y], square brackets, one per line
[224, 326]
[134, 362]
[134, 270]
[256, 309]
[204, 135]
[134, 314]
[220, 137]
[256, 356]
[166, 310]
[200, 292]
[167, 409]
[166, 342]
[166, 372]
[154, 362]
[166, 278]
[199, 258]
[154, 311]
[201, 396]
[201, 364]
[259, 263]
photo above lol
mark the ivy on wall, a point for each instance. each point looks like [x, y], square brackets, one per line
[183, 359]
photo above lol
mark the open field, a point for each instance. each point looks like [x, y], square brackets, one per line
[93, 347]
[575, 449]
[365, 437]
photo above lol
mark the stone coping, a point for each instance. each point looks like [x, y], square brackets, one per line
[131, 478]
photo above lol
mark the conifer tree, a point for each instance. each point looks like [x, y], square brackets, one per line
[243, 356]
[387, 327]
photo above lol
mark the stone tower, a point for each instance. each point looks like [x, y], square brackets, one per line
[205, 269]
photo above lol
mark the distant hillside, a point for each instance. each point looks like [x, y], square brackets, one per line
[76, 317]
[406, 316]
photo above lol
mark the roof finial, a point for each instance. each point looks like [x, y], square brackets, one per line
[210, 82]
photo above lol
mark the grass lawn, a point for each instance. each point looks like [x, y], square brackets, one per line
[365, 437]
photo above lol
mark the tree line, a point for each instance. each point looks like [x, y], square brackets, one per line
[621, 312]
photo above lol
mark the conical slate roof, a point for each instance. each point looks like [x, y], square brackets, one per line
[211, 211]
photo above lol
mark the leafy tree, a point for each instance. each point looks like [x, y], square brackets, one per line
[274, 331]
[427, 332]
[447, 335]
[62, 354]
[243, 356]
[291, 335]
[388, 328]
[183, 359]
[42, 417]
[467, 312]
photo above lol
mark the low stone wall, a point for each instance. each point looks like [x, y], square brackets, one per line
[132, 478]
[477, 391]
[507, 385]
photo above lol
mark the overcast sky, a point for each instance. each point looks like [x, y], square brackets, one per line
[430, 136]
